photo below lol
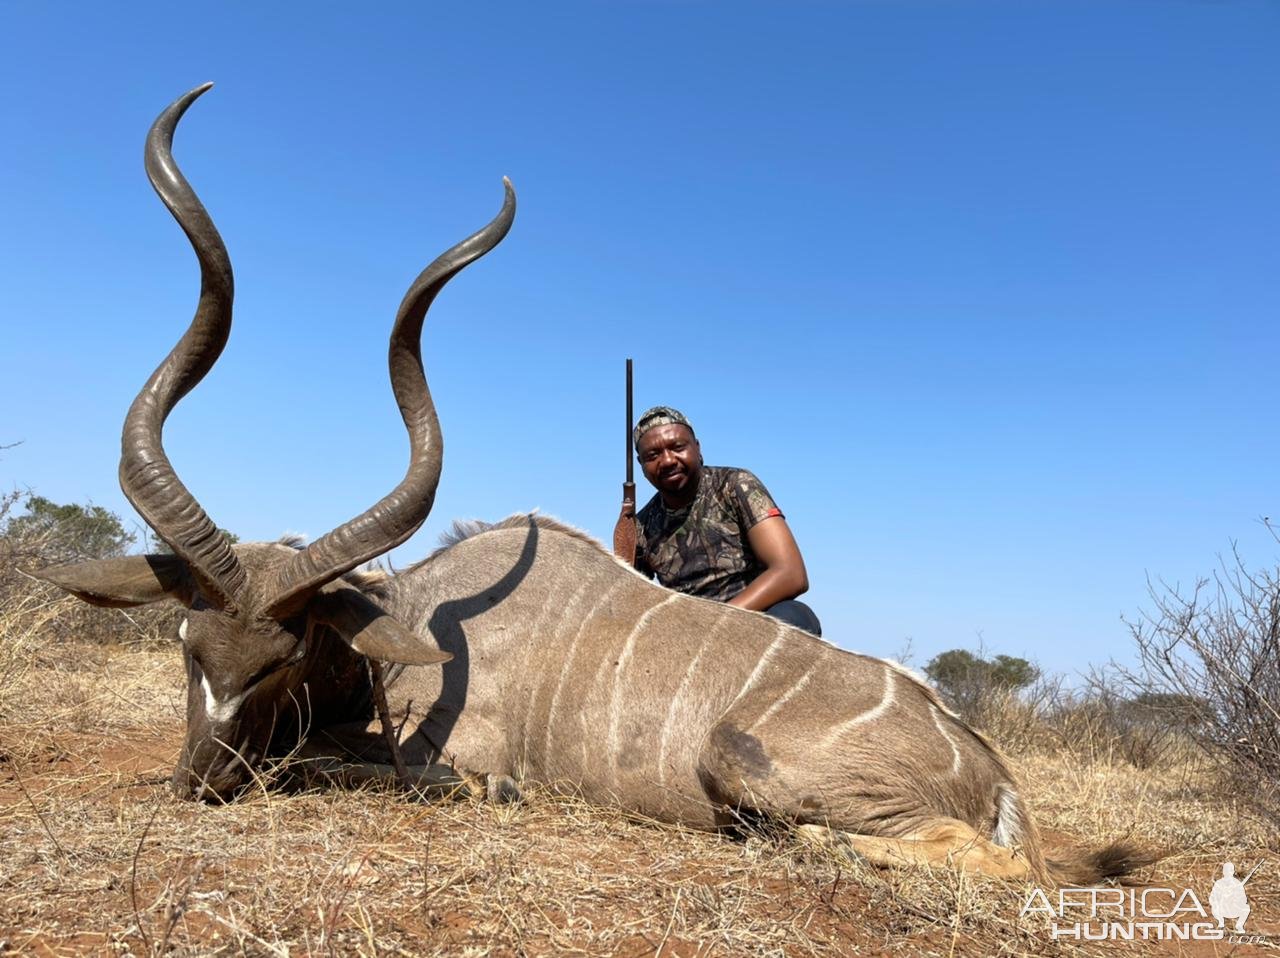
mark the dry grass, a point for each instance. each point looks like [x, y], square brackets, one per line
[97, 858]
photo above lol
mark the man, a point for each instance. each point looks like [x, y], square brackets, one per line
[713, 531]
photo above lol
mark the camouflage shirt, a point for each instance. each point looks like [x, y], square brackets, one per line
[702, 549]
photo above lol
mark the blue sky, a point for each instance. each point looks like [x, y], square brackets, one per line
[985, 292]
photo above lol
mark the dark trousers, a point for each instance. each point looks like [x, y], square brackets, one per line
[795, 613]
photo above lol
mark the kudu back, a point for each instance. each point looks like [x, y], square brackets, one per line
[524, 650]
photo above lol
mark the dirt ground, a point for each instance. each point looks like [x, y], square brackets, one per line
[96, 857]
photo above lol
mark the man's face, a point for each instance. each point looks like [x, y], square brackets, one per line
[671, 459]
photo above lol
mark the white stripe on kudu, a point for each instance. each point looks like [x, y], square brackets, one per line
[783, 699]
[220, 711]
[774, 646]
[550, 602]
[676, 700]
[624, 659]
[955, 749]
[567, 664]
[890, 680]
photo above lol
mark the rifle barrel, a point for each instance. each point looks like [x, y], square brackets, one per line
[624, 532]
[630, 457]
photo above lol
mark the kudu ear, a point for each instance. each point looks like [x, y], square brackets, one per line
[369, 630]
[120, 583]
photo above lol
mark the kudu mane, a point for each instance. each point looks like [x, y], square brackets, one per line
[463, 529]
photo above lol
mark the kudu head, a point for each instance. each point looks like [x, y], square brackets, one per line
[262, 617]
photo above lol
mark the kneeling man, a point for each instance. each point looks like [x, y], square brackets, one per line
[714, 531]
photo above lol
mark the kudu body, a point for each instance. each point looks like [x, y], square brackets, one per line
[560, 665]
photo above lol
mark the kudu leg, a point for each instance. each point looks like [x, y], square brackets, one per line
[433, 780]
[753, 775]
[947, 843]
[756, 777]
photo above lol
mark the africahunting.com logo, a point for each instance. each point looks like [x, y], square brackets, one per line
[1156, 914]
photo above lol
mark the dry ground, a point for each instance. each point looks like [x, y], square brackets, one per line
[97, 858]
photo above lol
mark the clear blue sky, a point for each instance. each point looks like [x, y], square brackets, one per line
[985, 292]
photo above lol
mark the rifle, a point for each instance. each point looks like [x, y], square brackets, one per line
[624, 532]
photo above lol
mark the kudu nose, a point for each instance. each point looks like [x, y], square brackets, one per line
[208, 785]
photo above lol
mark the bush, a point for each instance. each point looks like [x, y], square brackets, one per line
[1209, 658]
[1101, 724]
[32, 612]
[1024, 711]
[68, 533]
[969, 683]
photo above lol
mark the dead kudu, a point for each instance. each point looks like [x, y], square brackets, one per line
[526, 651]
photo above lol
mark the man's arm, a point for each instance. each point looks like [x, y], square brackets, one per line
[784, 575]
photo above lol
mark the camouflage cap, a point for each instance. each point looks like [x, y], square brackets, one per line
[658, 416]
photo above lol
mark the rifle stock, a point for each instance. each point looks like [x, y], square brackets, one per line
[624, 531]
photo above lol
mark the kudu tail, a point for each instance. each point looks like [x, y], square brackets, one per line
[1065, 867]
[1084, 867]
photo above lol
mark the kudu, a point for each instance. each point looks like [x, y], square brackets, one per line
[529, 652]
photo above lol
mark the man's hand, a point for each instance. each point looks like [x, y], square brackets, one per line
[784, 576]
